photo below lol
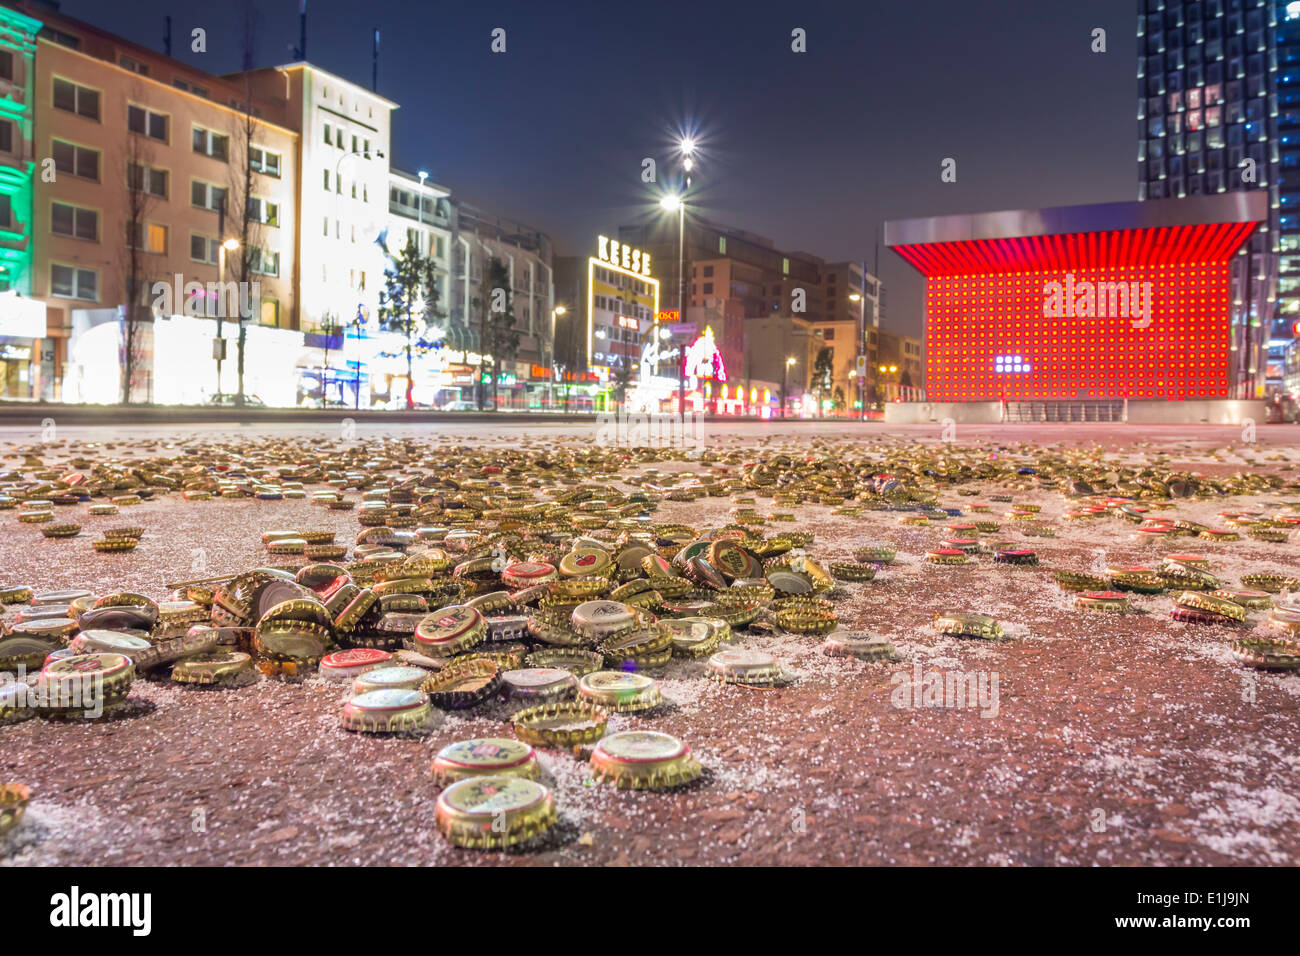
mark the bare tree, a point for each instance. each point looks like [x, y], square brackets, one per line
[136, 156]
[244, 220]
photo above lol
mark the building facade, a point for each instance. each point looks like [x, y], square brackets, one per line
[140, 157]
[1079, 303]
[1218, 111]
[23, 330]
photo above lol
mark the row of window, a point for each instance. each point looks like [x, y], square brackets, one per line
[335, 136]
[79, 223]
[364, 195]
[83, 101]
[75, 282]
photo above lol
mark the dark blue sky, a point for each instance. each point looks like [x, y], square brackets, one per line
[814, 150]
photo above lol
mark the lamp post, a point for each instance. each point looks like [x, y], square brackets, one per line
[229, 245]
[419, 201]
[329, 325]
[862, 334]
[785, 383]
[675, 203]
[550, 364]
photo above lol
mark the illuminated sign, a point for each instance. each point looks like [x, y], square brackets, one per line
[623, 256]
[672, 315]
[1133, 313]
[703, 360]
[627, 322]
[620, 258]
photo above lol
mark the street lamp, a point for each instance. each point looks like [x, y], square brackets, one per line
[675, 203]
[785, 383]
[550, 379]
[219, 347]
[862, 334]
[419, 206]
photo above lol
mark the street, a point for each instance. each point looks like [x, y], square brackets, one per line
[1089, 738]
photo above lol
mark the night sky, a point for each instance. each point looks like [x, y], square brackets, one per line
[813, 150]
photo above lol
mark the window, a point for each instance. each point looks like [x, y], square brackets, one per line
[708, 272]
[6, 212]
[264, 262]
[132, 64]
[264, 161]
[206, 196]
[270, 312]
[327, 227]
[328, 140]
[204, 249]
[211, 144]
[69, 282]
[6, 136]
[66, 220]
[722, 244]
[327, 179]
[147, 179]
[149, 236]
[6, 65]
[191, 88]
[76, 160]
[708, 288]
[267, 213]
[76, 99]
[147, 123]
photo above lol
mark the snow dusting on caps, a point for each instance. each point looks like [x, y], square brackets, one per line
[1076, 738]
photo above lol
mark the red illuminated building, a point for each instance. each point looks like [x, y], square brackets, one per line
[1123, 300]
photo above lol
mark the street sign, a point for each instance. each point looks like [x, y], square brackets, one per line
[862, 365]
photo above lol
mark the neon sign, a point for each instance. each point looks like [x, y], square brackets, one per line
[622, 255]
[703, 360]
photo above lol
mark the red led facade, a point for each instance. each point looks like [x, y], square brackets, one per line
[988, 337]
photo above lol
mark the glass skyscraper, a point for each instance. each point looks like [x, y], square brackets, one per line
[1219, 111]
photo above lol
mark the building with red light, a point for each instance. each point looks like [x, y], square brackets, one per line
[1117, 301]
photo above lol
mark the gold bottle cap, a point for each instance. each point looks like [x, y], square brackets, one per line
[565, 723]
[485, 757]
[741, 666]
[387, 711]
[643, 760]
[485, 813]
[450, 630]
[218, 667]
[540, 683]
[585, 560]
[620, 691]
[391, 676]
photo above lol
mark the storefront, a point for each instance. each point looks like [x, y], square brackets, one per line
[23, 375]
[175, 364]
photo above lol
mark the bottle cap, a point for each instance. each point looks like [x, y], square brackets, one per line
[217, 667]
[485, 813]
[620, 691]
[643, 760]
[485, 757]
[742, 666]
[450, 630]
[389, 676]
[565, 723]
[575, 660]
[540, 683]
[387, 711]
[463, 683]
